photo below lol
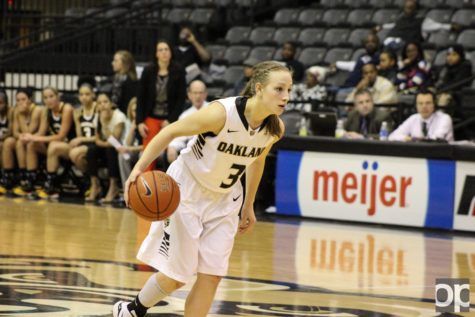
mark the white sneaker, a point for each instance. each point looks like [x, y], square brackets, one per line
[120, 310]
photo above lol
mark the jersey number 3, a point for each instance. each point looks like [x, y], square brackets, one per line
[234, 177]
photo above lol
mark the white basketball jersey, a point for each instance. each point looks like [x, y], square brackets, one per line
[218, 161]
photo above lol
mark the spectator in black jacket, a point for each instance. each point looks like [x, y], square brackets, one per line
[161, 95]
[455, 74]
[288, 57]
[124, 82]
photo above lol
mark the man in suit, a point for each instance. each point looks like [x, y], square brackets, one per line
[364, 121]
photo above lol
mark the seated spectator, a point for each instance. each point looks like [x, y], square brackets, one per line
[190, 53]
[371, 45]
[410, 27]
[288, 57]
[456, 74]
[414, 71]
[382, 90]
[310, 90]
[387, 67]
[365, 121]
[26, 120]
[247, 73]
[197, 94]
[6, 128]
[85, 120]
[111, 123]
[426, 124]
[56, 130]
[129, 152]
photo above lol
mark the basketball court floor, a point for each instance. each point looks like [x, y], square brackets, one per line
[61, 259]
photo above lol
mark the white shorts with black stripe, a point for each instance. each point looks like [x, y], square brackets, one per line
[199, 236]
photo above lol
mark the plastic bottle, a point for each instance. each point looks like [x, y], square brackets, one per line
[303, 131]
[383, 132]
[340, 130]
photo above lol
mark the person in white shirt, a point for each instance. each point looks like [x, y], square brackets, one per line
[382, 90]
[426, 124]
[197, 94]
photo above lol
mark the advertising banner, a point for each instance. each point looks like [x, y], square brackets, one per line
[464, 207]
[367, 188]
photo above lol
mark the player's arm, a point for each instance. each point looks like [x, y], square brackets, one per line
[253, 178]
[208, 119]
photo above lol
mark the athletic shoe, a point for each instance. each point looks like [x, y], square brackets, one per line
[18, 191]
[3, 190]
[120, 310]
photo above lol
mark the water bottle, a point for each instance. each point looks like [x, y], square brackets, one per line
[340, 130]
[383, 132]
[303, 131]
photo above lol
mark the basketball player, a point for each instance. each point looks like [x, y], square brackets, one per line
[56, 129]
[85, 121]
[232, 135]
[26, 119]
[6, 114]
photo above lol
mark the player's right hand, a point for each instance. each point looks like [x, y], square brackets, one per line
[132, 178]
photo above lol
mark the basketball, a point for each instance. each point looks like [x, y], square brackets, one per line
[154, 195]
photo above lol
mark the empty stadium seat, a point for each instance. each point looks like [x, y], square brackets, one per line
[385, 16]
[356, 3]
[440, 59]
[216, 51]
[201, 16]
[440, 15]
[336, 37]
[311, 17]
[441, 38]
[332, 3]
[335, 17]
[311, 36]
[467, 39]
[182, 3]
[236, 54]
[464, 17]
[431, 4]
[261, 35]
[312, 56]
[380, 3]
[238, 34]
[337, 79]
[178, 15]
[286, 16]
[337, 54]
[233, 74]
[357, 36]
[458, 4]
[286, 34]
[360, 17]
[262, 53]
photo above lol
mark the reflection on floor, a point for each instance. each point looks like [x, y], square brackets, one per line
[75, 260]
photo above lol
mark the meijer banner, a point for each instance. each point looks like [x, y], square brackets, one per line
[381, 189]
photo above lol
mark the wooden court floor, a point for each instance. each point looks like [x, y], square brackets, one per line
[61, 259]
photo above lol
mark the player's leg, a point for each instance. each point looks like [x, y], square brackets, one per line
[56, 151]
[157, 287]
[8, 160]
[33, 149]
[78, 156]
[94, 154]
[114, 174]
[201, 297]
[20, 150]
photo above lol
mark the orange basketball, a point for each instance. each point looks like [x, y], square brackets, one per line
[154, 195]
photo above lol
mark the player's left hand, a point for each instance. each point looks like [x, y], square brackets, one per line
[248, 219]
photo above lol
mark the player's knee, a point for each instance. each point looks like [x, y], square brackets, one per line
[213, 279]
